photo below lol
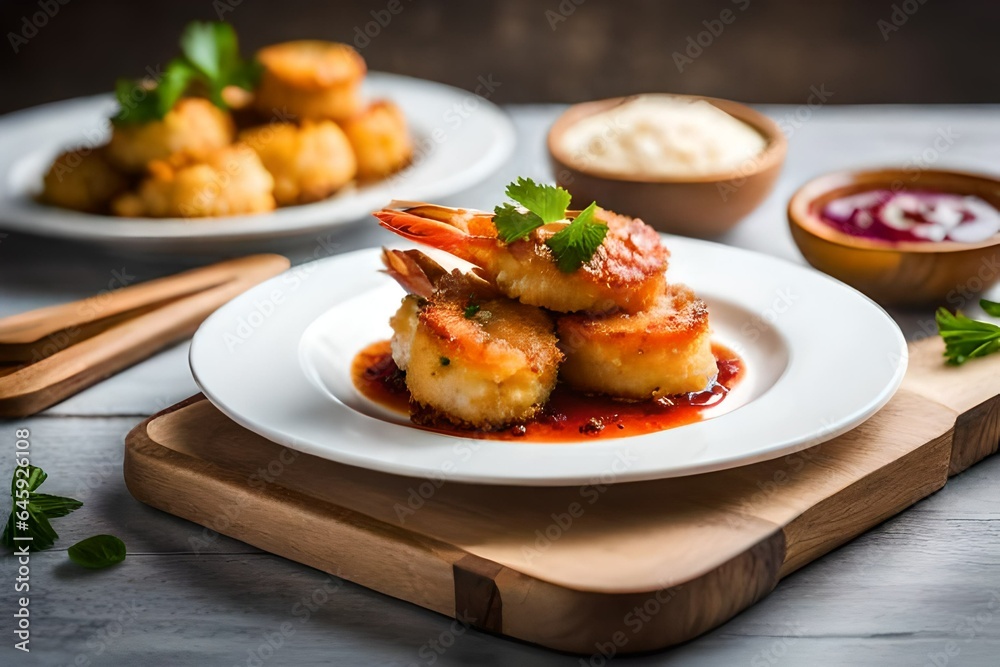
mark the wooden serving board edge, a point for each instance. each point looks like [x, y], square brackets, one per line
[495, 598]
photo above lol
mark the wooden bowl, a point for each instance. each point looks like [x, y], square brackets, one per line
[702, 206]
[905, 273]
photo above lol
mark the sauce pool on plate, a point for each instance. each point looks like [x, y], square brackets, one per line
[912, 215]
[569, 416]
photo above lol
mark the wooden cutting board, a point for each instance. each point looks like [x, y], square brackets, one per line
[595, 569]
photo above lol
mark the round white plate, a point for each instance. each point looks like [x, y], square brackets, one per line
[820, 359]
[461, 139]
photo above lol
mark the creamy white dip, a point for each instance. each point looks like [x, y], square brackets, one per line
[661, 136]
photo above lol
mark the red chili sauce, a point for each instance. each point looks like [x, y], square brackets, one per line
[912, 215]
[569, 416]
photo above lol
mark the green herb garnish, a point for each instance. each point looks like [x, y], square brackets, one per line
[31, 511]
[548, 202]
[210, 60]
[514, 224]
[445, 361]
[573, 246]
[213, 50]
[576, 244]
[98, 551]
[966, 338]
[471, 310]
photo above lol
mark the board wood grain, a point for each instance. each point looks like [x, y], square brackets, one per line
[633, 567]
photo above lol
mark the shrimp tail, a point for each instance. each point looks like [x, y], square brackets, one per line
[419, 274]
[415, 276]
[458, 231]
[412, 227]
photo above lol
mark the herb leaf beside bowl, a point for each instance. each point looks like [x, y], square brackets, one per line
[966, 338]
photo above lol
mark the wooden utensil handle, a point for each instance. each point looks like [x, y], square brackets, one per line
[35, 325]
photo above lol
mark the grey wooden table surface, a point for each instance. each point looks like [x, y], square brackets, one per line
[921, 589]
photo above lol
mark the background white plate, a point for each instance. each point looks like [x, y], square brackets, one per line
[461, 138]
[821, 358]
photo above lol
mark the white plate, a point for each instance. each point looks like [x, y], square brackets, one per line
[820, 359]
[461, 140]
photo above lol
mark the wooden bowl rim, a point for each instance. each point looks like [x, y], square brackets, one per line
[772, 155]
[801, 215]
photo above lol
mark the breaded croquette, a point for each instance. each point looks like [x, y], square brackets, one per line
[83, 180]
[310, 80]
[194, 126]
[662, 351]
[229, 181]
[308, 163]
[380, 140]
[472, 357]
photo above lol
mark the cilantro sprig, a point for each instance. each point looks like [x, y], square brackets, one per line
[210, 62]
[966, 338]
[31, 511]
[572, 246]
[577, 243]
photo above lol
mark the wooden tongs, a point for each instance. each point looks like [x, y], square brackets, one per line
[49, 354]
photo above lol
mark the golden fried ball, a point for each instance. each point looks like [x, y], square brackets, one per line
[310, 80]
[486, 372]
[661, 351]
[83, 180]
[194, 126]
[229, 181]
[308, 163]
[380, 139]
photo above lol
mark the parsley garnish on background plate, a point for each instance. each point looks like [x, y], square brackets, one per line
[572, 246]
[966, 338]
[210, 62]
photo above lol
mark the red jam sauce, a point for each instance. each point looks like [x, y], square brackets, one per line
[569, 416]
[912, 215]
